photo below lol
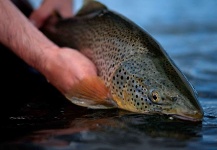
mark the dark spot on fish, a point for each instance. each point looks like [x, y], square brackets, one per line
[110, 74]
[174, 98]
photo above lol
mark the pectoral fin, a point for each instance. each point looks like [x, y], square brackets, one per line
[91, 93]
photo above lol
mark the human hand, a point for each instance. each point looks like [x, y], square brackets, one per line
[65, 67]
[63, 7]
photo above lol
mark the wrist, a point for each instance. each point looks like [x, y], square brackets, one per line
[49, 63]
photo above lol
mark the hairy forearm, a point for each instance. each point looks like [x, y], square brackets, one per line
[63, 67]
[26, 41]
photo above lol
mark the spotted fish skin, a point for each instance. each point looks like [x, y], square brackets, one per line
[138, 72]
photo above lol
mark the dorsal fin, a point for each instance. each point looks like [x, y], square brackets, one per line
[91, 6]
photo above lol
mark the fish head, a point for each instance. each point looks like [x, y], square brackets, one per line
[155, 87]
[176, 101]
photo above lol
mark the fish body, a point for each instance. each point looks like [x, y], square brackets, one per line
[139, 74]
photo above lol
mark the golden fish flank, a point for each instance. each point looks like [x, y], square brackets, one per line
[138, 74]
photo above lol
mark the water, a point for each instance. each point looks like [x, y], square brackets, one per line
[188, 32]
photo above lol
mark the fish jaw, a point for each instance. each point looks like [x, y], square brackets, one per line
[185, 111]
[194, 116]
[197, 116]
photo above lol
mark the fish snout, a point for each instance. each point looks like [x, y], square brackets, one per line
[191, 116]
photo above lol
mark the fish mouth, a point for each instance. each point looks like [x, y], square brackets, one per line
[197, 117]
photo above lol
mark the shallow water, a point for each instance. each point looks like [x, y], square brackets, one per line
[188, 32]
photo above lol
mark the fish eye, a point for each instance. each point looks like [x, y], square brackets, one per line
[155, 96]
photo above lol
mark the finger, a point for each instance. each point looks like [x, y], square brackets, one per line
[66, 9]
[39, 16]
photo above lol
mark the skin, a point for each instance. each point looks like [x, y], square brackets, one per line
[40, 15]
[63, 67]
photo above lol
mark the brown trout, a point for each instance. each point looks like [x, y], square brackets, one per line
[135, 71]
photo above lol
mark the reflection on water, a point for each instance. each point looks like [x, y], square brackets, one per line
[113, 129]
[188, 31]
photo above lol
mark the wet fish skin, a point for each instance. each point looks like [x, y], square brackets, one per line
[138, 72]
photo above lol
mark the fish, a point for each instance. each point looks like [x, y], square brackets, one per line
[135, 73]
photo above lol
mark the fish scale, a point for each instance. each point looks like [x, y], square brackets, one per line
[138, 73]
